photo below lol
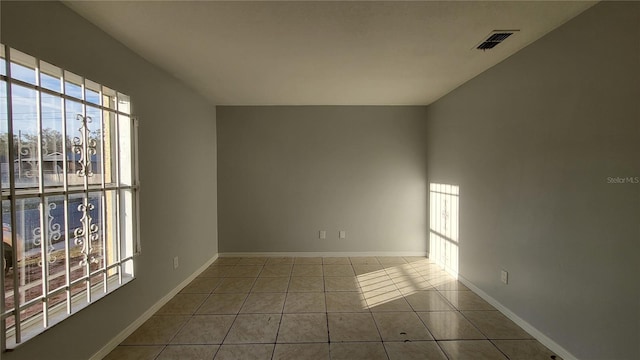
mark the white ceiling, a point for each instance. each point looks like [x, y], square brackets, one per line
[324, 53]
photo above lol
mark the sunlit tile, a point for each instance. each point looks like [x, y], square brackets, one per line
[363, 269]
[391, 260]
[428, 301]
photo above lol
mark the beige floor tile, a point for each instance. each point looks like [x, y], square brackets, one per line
[222, 304]
[336, 261]
[202, 285]
[188, 352]
[391, 260]
[278, 270]
[363, 269]
[341, 283]
[408, 286]
[439, 283]
[204, 329]
[250, 271]
[254, 329]
[525, 350]
[466, 300]
[338, 270]
[495, 325]
[303, 328]
[401, 326]
[364, 260]
[449, 325]
[471, 350]
[245, 352]
[301, 352]
[346, 302]
[376, 281]
[352, 327]
[185, 304]
[217, 271]
[401, 270]
[414, 350]
[393, 300]
[271, 284]
[158, 330]
[134, 353]
[358, 351]
[263, 303]
[308, 260]
[306, 270]
[234, 285]
[305, 302]
[428, 301]
[279, 260]
[227, 261]
[417, 260]
[306, 284]
[258, 260]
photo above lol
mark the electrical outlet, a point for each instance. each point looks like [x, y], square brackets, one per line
[175, 262]
[504, 277]
[322, 234]
[342, 234]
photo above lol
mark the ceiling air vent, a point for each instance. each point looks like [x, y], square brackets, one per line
[495, 38]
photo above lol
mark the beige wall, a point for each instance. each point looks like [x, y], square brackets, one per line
[532, 143]
[177, 170]
[286, 172]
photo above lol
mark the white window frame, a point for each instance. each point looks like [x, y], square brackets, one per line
[122, 190]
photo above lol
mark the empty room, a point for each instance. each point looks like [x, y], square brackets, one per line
[320, 180]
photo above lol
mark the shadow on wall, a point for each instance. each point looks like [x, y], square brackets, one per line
[444, 218]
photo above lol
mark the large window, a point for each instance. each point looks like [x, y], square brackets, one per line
[69, 193]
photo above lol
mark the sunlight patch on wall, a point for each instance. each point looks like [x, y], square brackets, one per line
[444, 225]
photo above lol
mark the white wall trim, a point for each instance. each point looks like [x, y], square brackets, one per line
[537, 334]
[325, 254]
[113, 343]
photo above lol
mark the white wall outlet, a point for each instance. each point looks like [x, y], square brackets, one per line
[504, 277]
[342, 234]
[322, 234]
[175, 262]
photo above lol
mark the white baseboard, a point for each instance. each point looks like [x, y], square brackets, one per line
[325, 254]
[537, 334]
[113, 343]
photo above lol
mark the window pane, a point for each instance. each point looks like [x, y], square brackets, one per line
[126, 223]
[124, 132]
[4, 136]
[110, 150]
[25, 126]
[109, 98]
[50, 77]
[92, 92]
[3, 64]
[54, 238]
[94, 144]
[23, 67]
[75, 135]
[52, 141]
[72, 85]
[124, 104]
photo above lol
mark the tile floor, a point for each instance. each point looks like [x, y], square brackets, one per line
[328, 308]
